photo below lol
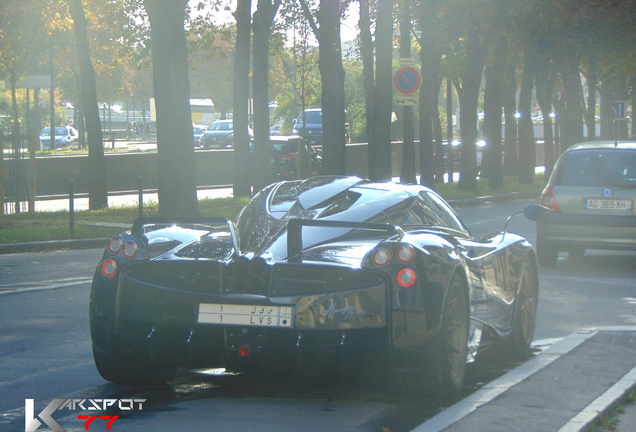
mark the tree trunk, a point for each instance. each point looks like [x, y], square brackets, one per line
[590, 112]
[572, 120]
[607, 110]
[242, 182]
[366, 54]
[407, 175]
[449, 130]
[527, 158]
[332, 76]
[96, 173]
[491, 164]
[476, 53]
[511, 157]
[429, 58]
[380, 143]
[438, 135]
[260, 90]
[545, 85]
[177, 177]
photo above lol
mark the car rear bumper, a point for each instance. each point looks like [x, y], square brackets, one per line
[589, 231]
[340, 332]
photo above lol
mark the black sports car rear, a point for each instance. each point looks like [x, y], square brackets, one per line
[330, 274]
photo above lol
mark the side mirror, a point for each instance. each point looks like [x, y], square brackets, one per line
[535, 212]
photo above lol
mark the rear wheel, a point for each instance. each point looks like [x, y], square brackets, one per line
[547, 254]
[131, 369]
[525, 312]
[445, 369]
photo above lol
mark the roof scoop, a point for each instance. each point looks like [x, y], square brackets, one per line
[321, 189]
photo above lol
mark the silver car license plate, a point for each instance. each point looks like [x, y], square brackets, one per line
[619, 205]
[245, 315]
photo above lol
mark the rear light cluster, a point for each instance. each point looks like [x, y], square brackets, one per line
[404, 255]
[117, 246]
[547, 199]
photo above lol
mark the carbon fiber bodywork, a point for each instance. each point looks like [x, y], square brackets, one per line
[307, 248]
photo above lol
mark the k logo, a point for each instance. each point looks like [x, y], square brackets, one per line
[31, 423]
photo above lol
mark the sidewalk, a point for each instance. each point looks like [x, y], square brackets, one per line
[562, 389]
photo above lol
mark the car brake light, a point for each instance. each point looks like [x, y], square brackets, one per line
[381, 258]
[406, 278]
[547, 199]
[109, 268]
[114, 245]
[130, 249]
[405, 254]
[289, 156]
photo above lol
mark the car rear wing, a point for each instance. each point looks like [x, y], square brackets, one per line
[208, 222]
[295, 226]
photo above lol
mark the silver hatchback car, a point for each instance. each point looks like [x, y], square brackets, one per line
[588, 202]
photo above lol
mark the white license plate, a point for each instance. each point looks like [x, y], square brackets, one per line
[245, 315]
[622, 205]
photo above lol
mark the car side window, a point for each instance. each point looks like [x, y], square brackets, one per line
[431, 210]
[421, 215]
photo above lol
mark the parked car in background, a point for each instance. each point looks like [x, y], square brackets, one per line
[64, 136]
[198, 131]
[285, 158]
[330, 275]
[309, 125]
[220, 135]
[588, 202]
[457, 152]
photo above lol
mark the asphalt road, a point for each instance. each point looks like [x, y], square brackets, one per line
[45, 348]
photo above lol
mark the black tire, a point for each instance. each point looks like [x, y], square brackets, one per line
[524, 319]
[547, 254]
[446, 367]
[131, 370]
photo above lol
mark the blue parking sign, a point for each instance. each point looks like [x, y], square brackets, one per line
[619, 110]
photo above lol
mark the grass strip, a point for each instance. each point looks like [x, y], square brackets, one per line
[43, 226]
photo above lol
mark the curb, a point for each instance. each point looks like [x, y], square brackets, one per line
[45, 246]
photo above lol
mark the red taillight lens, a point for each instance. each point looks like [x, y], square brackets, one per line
[130, 249]
[114, 245]
[547, 199]
[381, 258]
[405, 254]
[244, 350]
[406, 278]
[109, 268]
[290, 156]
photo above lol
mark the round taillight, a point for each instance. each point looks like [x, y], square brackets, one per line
[244, 350]
[406, 278]
[130, 249]
[405, 254]
[381, 258]
[114, 245]
[109, 268]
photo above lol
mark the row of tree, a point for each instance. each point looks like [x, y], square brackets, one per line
[536, 49]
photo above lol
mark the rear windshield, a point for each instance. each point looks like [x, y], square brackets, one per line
[599, 167]
[313, 116]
